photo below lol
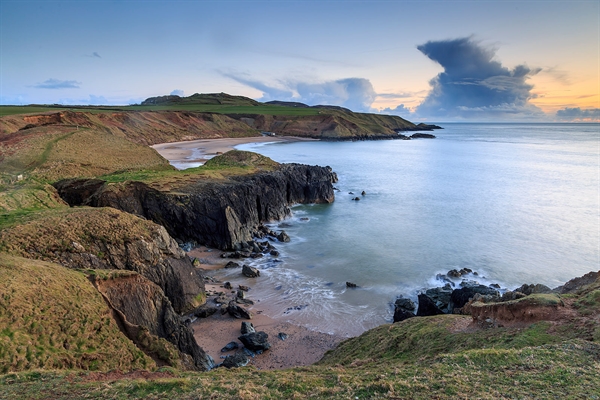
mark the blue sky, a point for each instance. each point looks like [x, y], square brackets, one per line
[423, 60]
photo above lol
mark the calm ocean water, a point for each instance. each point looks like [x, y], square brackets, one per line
[519, 203]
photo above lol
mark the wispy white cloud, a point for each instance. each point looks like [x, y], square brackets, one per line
[57, 84]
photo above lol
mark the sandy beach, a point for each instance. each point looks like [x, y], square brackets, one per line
[301, 347]
[196, 152]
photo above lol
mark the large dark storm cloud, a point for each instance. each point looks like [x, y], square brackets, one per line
[475, 86]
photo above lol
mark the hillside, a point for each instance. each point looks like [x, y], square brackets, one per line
[94, 298]
[208, 116]
[443, 357]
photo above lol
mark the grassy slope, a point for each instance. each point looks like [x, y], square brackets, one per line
[433, 357]
[52, 317]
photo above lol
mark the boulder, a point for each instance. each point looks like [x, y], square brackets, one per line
[441, 297]
[403, 309]
[244, 288]
[250, 272]
[232, 264]
[237, 311]
[427, 307]
[235, 361]
[533, 289]
[230, 346]
[227, 285]
[247, 327]
[351, 285]
[283, 237]
[461, 296]
[204, 311]
[255, 341]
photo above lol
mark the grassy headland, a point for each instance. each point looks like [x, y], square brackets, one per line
[56, 330]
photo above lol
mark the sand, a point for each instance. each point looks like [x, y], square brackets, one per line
[301, 347]
[197, 152]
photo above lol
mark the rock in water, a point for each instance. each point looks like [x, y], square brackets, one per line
[247, 327]
[255, 341]
[283, 237]
[235, 361]
[403, 309]
[351, 285]
[232, 264]
[250, 272]
[427, 307]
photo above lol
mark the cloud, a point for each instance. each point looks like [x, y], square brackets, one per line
[356, 94]
[400, 110]
[577, 114]
[92, 100]
[474, 85]
[57, 84]
[93, 55]
[177, 92]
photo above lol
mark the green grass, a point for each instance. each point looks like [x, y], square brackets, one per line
[566, 370]
[229, 109]
[35, 109]
[52, 317]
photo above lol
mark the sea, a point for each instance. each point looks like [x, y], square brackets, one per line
[516, 203]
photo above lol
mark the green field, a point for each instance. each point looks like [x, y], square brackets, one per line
[212, 108]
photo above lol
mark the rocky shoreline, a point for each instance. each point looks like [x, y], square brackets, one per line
[463, 294]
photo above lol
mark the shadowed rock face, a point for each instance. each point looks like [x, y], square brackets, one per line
[220, 215]
[142, 304]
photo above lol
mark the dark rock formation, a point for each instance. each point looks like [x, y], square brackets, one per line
[221, 215]
[235, 361]
[204, 311]
[247, 327]
[403, 309]
[255, 341]
[427, 307]
[230, 346]
[533, 289]
[460, 297]
[140, 305]
[238, 312]
[422, 136]
[441, 297]
[250, 272]
[428, 127]
[351, 285]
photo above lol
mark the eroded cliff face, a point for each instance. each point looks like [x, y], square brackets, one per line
[145, 314]
[217, 214]
[105, 238]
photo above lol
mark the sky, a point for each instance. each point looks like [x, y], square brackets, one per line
[436, 61]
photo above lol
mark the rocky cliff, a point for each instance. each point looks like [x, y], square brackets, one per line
[218, 214]
[144, 314]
